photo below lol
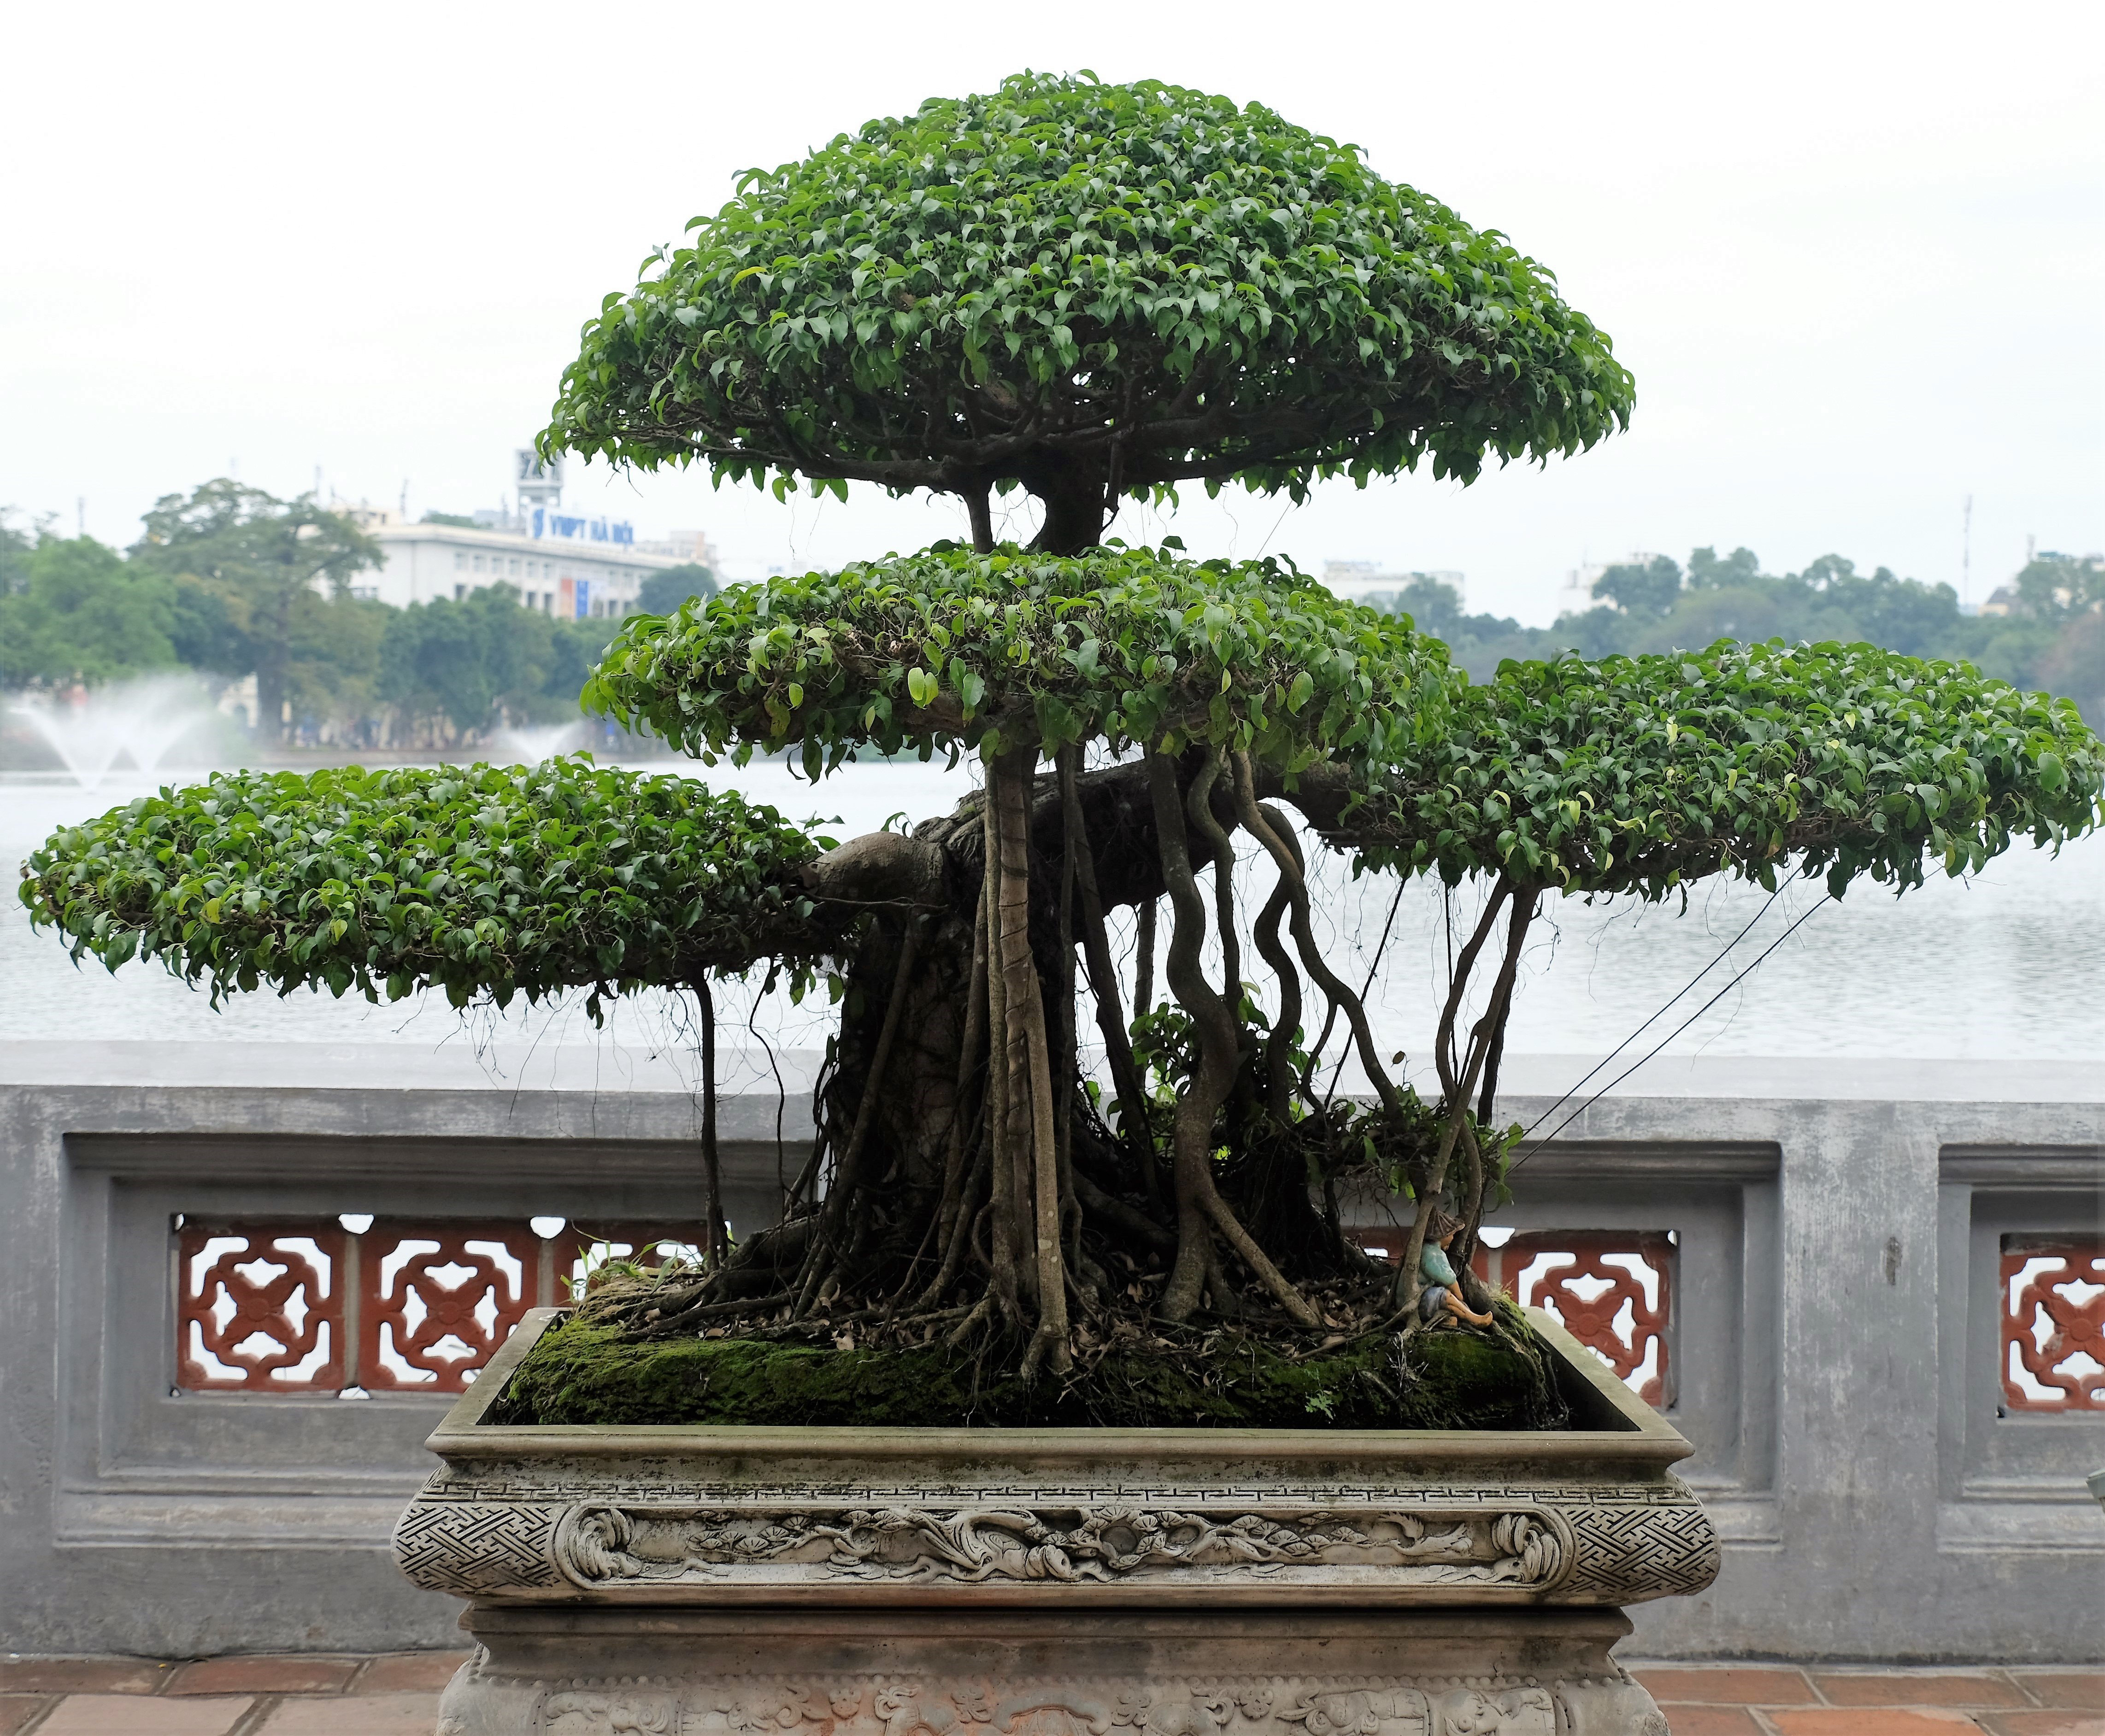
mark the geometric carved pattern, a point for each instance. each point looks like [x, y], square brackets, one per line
[2053, 1348]
[444, 1309]
[1671, 1548]
[405, 1305]
[470, 1548]
[1587, 1281]
[264, 1303]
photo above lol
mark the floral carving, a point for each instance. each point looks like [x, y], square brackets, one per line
[590, 1712]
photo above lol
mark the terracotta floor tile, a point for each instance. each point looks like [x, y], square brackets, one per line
[17, 1709]
[1868, 1720]
[127, 1715]
[393, 1670]
[1727, 1685]
[2083, 1689]
[358, 1715]
[275, 1674]
[83, 1675]
[1710, 1721]
[1906, 1688]
[2059, 1720]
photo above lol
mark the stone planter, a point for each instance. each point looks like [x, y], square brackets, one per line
[1086, 1583]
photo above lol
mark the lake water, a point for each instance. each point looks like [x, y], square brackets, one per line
[2009, 965]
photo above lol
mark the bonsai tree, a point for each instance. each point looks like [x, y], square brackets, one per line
[1092, 292]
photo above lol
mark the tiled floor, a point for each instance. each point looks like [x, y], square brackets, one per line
[1774, 1700]
[397, 1694]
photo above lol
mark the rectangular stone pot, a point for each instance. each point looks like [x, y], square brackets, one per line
[1176, 1581]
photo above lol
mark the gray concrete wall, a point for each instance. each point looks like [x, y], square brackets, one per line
[1835, 1333]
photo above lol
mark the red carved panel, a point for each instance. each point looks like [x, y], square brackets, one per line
[254, 1315]
[406, 1304]
[2053, 1312]
[442, 1310]
[1586, 1279]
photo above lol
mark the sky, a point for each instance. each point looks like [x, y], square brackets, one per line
[1853, 253]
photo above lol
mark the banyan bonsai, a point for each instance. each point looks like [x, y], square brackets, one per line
[1093, 294]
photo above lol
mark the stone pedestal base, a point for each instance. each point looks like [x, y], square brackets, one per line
[641, 1671]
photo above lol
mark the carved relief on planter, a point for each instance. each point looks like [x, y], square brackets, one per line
[521, 1539]
[1492, 1705]
[604, 1547]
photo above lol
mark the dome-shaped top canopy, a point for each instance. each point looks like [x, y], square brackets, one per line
[1091, 289]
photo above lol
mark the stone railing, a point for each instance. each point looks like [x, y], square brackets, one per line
[242, 1283]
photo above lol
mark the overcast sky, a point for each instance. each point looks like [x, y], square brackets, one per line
[1854, 254]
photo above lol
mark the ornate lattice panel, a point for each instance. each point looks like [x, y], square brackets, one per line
[260, 1307]
[377, 1304]
[442, 1298]
[1612, 1288]
[2052, 1347]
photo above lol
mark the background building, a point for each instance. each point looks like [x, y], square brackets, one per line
[564, 565]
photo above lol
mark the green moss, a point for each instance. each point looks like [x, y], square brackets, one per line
[1449, 1380]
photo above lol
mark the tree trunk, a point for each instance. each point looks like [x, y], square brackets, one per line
[1071, 489]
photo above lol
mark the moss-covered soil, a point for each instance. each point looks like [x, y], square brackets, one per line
[1445, 1379]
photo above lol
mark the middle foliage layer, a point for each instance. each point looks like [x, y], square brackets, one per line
[949, 649]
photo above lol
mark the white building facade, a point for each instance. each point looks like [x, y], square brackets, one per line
[579, 574]
[565, 565]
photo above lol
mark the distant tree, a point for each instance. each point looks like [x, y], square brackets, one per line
[206, 633]
[2057, 586]
[465, 667]
[1706, 568]
[663, 592]
[73, 609]
[2075, 664]
[457, 521]
[14, 546]
[1479, 643]
[1646, 591]
[1902, 614]
[259, 555]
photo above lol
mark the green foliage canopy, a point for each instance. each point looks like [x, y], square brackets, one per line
[1638, 773]
[949, 649]
[1145, 281]
[485, 879]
